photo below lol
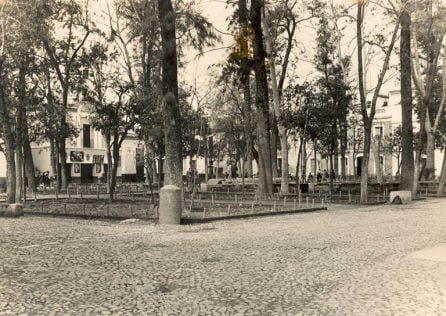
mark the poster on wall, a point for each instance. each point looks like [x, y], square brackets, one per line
[77, 155]
[77, 168]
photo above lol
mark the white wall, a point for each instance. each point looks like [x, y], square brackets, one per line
[2, 165]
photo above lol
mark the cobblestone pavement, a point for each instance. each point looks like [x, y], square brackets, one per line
[344, 261]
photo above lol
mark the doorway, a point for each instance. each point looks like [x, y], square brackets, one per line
[358, 166]
[87, 173]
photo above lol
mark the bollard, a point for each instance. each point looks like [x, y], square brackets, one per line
[308, 202]
[170, 205]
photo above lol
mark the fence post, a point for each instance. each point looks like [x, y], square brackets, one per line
[97, 191]
[83, 207]
[275, 206]
[65, 208]
[349, 197]
[312, 203]
[229, 209]
[294, 203]
[308, 201]
[252, 207]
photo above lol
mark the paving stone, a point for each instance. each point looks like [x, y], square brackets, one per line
[345, 261]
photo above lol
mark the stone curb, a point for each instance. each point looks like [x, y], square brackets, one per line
[242, 216]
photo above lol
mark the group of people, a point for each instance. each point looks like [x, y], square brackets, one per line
[322, 176]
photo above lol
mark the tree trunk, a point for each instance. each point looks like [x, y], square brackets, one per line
[29, 165]
[304, 161]
[407, 158]
[274, 141]
[114, 169]
[331, 173]
[245, 81]
[20, 122]
[62, 143]
[171, 112]
[8, 138]
[265, 187]
[365, 162]
[440, 190]
[299, 157]
[277, 127]
[429, 169]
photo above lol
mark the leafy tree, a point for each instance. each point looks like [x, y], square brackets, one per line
[333, 84]
[428, 32]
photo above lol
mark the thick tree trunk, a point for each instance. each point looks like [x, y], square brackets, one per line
[172, 128]
[8, 139]
[265, 187]
[407, 158]
[29, 164]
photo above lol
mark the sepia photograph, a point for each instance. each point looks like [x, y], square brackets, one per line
[223, 157]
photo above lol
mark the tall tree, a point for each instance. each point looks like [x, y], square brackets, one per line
[428, 32]
[171, 113]
[407, 159]
[265, 187]
[73, 17]
[366, 116]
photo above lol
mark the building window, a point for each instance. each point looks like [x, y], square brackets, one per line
[86, 136]
[379, 131]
